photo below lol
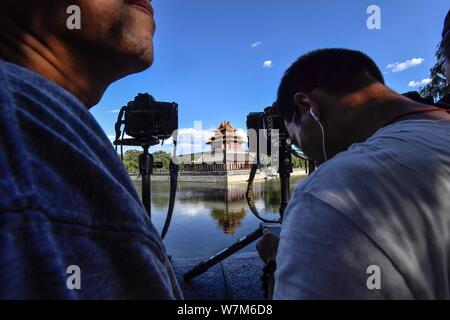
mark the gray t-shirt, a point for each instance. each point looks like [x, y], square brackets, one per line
[375, 216]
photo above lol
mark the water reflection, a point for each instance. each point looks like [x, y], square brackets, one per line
[228, 220]
[209, 217]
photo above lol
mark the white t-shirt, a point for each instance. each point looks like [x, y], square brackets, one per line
[374, 221]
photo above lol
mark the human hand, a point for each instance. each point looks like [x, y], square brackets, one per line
[267, 246]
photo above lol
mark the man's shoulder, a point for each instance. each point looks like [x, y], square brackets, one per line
[15, 79]
[48, 140]
[345, 169]
[410, 148]
[394, 188]
[22, 87]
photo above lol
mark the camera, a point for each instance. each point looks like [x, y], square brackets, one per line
[264, 128]
[146, 118]
[270, 120]
[146, 121]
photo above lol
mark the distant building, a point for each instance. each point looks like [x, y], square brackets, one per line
[226, 155]
[226, 138]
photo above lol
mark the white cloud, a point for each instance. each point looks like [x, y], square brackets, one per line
[112, 137]
[242, 133]
[114, 111]
[402, 66]
[267, 64]
[423, 82]
[193, 140]
[256, 44]
[125, 148]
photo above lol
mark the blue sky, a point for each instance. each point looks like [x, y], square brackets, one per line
[212, 56]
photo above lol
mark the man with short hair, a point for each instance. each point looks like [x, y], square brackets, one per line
[373, 221]
[71, 223]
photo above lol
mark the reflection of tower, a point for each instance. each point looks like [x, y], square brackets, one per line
[229, 222]
[230, 211]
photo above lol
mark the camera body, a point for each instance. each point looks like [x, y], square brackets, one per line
[264, 124]
[146, 118]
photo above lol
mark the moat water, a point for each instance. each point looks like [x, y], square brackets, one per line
[209, 217]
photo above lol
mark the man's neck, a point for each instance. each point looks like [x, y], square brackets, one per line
[50, 59]
[372, 111]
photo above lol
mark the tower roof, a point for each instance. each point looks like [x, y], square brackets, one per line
[226, 132]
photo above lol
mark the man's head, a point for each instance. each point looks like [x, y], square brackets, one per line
[115, 39]
[445, 46]
[324, 88]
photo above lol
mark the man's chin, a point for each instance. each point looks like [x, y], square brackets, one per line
[146, 62]
[139, 63]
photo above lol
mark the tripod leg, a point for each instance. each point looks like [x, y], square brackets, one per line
[205, 265]
[285, 193]
[146, 169]
[146, 193]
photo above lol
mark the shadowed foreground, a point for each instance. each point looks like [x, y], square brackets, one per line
[236, 278]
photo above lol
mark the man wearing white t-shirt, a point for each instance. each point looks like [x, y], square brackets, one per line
[373, 221]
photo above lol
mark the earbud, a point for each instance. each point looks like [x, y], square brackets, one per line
[315, 117]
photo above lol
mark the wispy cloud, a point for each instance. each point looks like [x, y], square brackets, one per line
[402, 66]
[256, 44]
[420, 83]
[114, 111]
[267, 64]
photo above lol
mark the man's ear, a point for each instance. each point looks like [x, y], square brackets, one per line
[307, 103]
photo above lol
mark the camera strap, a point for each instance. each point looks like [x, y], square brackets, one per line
[249, 195]
[173, 169]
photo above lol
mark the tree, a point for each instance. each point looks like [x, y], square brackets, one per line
[131, 161]
[164, 158]
[297, 162]
[438, 87]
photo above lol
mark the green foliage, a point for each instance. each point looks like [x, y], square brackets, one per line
[297, 162]
[438, 87]
[131, 160]
[164, 157]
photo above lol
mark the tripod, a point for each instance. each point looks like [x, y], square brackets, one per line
[146, 166]
[285, 170]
